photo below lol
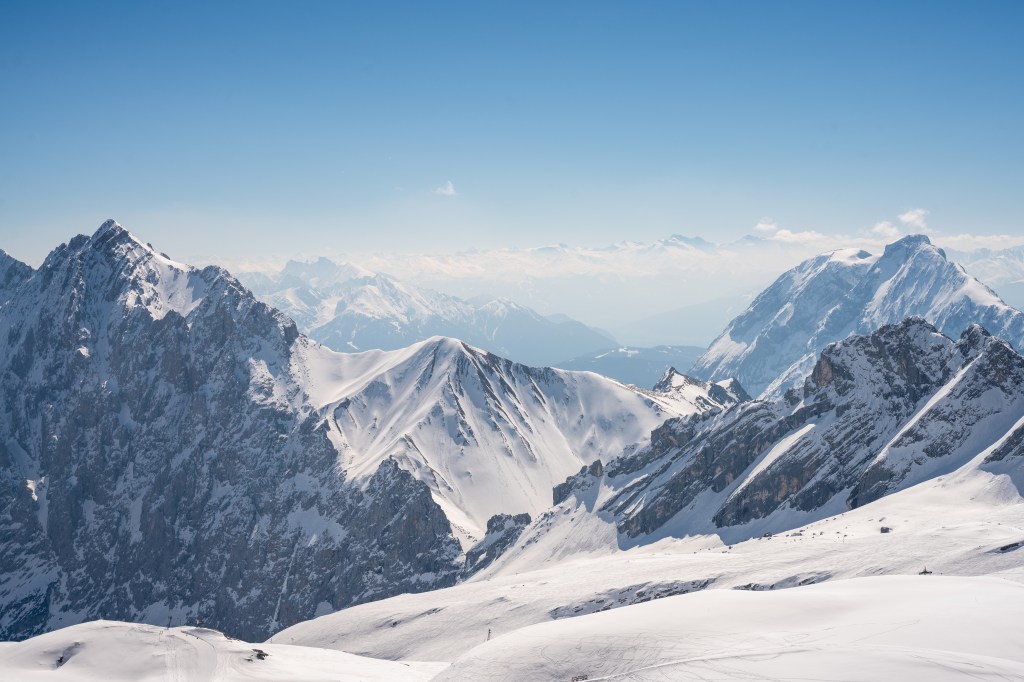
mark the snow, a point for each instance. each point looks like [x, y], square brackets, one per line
[825, 299]
[164, 285]
[882, 628]
[954, 525]
[486, 435]
[107, 651]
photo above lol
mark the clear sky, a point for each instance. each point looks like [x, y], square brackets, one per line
[236, 129]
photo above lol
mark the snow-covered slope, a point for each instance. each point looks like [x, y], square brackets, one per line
[107, 651]
[485, 434]
[921, 435]
[171, 447]
[774, 343]
[891, 628]
[965, 524]
[878, 413]
[349, 308]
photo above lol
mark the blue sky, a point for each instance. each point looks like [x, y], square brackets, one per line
[237, 129]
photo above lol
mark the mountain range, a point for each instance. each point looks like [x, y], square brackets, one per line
[904, 456]
[173, 449]
[349, 308]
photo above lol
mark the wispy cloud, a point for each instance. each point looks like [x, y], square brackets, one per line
[445, 190]
[970, 242]
[914, 218]
[791, 237]
[766, 225]
[885, 230]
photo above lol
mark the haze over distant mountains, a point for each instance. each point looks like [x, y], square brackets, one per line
[348, 308]
[675, 291]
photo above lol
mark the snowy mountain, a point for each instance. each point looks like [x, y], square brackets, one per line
[172, 448]
[160, 460]
[904, 454]
[877, 414]
[696, 397]
[485, 434]
[774, 343]
[349, 308]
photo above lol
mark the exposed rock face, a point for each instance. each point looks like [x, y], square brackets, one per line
[878, 413]
[775, 342]
[158, 459]
[502, 532]
[585, 478]
[12, 273]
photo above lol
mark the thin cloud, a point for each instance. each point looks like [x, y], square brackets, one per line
[914, 218]
[445, 190]
[790, 237]
[971, 242]
[766, 225]
[885, 230]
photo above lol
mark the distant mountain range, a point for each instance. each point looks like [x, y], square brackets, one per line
[348, 308]
[772, 345]
[629, 288]
[1001, 269]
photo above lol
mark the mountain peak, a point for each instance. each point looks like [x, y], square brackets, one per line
[112, 235]
[109, 225]
[910, 243]
[855, 293]
[673, 378]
